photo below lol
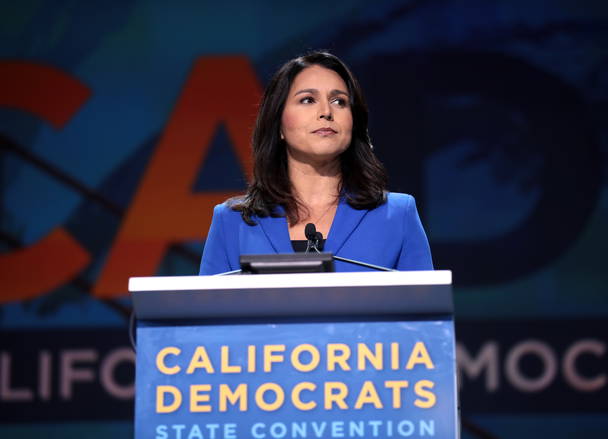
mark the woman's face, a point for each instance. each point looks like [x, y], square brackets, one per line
[317, 121]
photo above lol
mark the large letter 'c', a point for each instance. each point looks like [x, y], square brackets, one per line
[53, 96]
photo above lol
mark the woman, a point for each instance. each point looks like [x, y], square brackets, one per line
[313, 163]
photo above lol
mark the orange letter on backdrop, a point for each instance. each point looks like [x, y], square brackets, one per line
[54, 96]
[164, 210]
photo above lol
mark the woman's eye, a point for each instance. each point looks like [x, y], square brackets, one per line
[307, 100]
[341, 102]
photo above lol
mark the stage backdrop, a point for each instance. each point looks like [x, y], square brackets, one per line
[122, 123]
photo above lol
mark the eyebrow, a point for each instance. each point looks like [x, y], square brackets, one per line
[315, 91]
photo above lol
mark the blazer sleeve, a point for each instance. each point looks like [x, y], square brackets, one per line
[215, 256]
[415, 252]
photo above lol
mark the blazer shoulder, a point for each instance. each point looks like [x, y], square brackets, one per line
[226, 212]
[397, 199]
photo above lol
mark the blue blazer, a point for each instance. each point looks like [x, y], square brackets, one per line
[390, 235]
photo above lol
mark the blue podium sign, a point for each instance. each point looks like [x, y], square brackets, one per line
[372, 379]
[290, 356]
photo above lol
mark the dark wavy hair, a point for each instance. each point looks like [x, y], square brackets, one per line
[363, 177]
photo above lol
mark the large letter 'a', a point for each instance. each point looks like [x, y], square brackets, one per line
[164, 210]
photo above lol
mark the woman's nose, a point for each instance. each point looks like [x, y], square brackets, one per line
[325, 112]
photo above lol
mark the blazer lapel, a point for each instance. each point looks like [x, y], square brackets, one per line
[345, 222]
[277, 233]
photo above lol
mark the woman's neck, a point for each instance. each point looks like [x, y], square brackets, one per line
[315, 185]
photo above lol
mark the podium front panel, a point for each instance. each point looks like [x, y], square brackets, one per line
[349, 379]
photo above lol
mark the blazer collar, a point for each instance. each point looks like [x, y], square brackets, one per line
[345, 222]
[276, 231]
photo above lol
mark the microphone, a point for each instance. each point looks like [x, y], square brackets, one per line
[315, 237]
[310, 231]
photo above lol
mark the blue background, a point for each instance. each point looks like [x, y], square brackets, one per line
[491, 113]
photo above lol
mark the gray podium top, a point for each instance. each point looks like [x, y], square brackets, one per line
[292, 295]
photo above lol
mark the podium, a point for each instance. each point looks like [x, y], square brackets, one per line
[282, 356]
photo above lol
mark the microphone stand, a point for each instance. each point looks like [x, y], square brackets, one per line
[228, 273]
[363, 264]
[352, 261]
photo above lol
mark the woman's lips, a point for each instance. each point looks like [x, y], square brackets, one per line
[325, 131]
